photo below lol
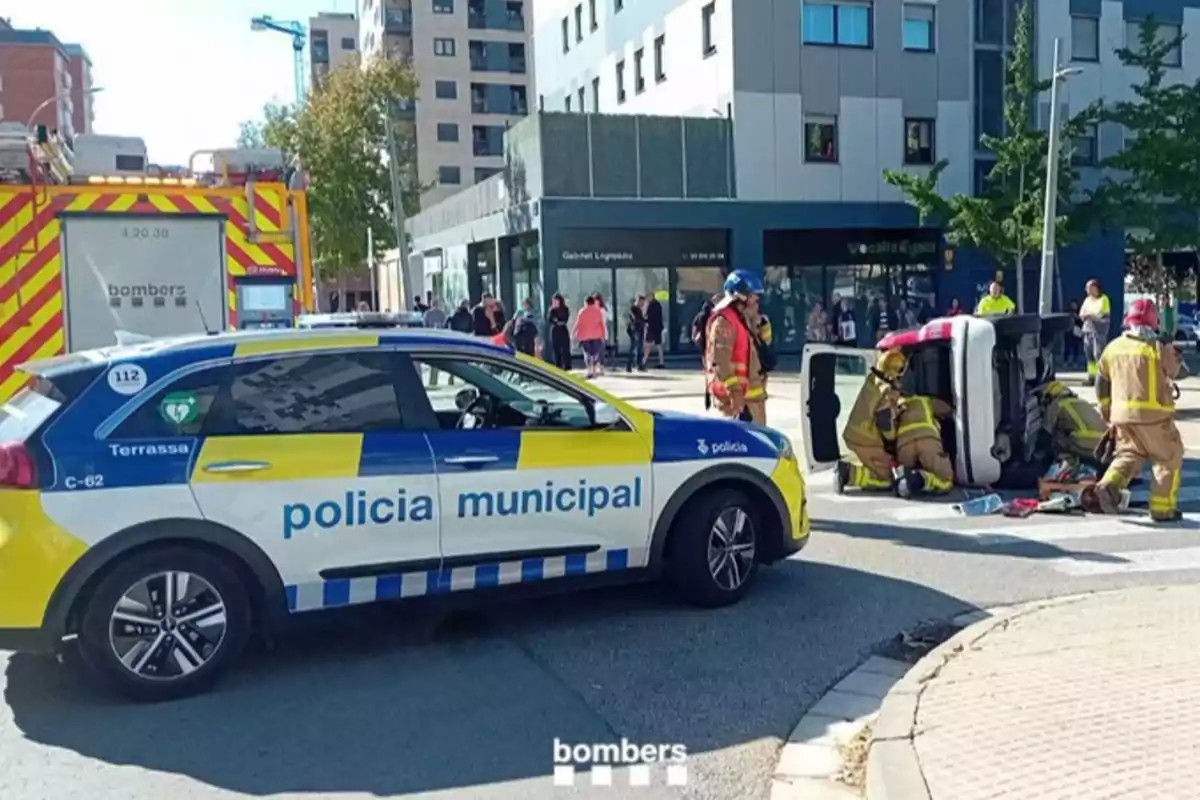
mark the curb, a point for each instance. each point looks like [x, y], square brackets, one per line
[893, 768]
[811, 759]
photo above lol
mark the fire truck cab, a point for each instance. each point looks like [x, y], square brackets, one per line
[984, 367]
[93, 239]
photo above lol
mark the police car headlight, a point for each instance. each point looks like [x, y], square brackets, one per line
[777, 440]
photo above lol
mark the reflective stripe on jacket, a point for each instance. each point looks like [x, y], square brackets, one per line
[918, 419]
[863, 428]
[1136, 380]
[728, 354]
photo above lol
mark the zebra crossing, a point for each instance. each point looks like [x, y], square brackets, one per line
[1127, 544]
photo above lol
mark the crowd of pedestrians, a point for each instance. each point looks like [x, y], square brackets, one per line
[550, 337]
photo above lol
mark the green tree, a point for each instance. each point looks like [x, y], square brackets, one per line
[1005, 219]
[339, 138]
[275, 129]
[1151, 189]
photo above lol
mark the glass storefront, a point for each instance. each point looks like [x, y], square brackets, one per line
[680, 268]
[889, 281]
[693, 285]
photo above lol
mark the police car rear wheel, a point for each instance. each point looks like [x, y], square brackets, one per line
[165, 624]
[714, 549]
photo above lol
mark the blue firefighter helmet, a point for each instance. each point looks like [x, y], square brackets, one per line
[743, 282]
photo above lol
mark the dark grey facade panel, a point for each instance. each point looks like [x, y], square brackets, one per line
[708, 149]
[1086, 8]
[565, 168]
[615, 156]
[660, 163]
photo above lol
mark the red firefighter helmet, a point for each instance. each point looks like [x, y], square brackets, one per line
[1143, 313]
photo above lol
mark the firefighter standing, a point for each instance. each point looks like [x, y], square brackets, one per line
[1074, 424]
[1135, 383]
[870, 431]
[924, 465]
[736, 380]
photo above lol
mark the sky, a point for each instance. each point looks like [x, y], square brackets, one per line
[181, 74]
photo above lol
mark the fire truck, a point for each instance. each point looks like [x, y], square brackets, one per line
[94, 241]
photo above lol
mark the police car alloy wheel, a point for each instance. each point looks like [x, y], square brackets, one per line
[165, 623]
[713, 554]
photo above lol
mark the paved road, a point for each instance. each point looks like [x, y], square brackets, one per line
[374, 703]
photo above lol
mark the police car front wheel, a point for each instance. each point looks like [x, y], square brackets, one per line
[165, 623]
[714, 548]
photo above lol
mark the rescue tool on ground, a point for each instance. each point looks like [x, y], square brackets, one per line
[87, 248]
[161, 501]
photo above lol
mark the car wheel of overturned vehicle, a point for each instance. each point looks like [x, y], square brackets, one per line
[712, 558]
[165, 624]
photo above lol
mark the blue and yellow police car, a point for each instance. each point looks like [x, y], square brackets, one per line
[162, 500]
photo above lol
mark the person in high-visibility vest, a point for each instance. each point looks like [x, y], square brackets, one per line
[1095, 314]
[1135, 384]
[925, 468]
[995, 302]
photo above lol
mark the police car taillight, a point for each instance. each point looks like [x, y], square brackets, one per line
[17, 469]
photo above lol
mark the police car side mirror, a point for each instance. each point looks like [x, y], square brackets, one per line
[604, 415]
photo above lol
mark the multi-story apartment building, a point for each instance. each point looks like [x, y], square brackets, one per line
[35, 67]
[818, 97]
[332, 42]
[79, 66]
[807, 81]
[474, 62]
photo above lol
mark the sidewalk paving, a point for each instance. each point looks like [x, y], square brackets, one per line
[1085, 697]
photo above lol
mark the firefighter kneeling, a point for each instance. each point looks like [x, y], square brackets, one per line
[1135, 385]
[1074, 424]
[924, 466]
[870, 431]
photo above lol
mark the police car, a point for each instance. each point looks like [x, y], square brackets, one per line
[361, 319]
[162, 500]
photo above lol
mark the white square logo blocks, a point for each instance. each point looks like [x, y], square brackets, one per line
[620, 764]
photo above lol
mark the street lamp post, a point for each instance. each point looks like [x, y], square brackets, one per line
[1046, 287]
[54, 99]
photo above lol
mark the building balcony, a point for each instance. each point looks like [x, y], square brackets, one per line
[397, 20]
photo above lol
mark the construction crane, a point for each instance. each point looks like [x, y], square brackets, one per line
[299, 35]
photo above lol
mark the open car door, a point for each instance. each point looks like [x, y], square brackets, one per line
[831, 378]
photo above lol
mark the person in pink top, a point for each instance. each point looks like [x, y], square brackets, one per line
[591, 333]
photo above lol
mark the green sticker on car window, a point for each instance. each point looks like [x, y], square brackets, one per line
[179, 408]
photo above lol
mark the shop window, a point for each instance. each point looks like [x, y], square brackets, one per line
[1085, 39]
[918, 141]
[820, 140]
[693, 286]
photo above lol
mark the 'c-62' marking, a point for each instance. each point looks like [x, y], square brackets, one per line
[86, 482]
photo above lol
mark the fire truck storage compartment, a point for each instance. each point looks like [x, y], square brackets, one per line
[151, 275]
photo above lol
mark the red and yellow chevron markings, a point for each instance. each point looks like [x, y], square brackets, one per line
[31, 319]
[31, 300]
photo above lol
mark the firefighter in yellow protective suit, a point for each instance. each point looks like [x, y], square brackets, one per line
[1135, 385]
[870, 431]
[1075, 425]
[924, 466]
